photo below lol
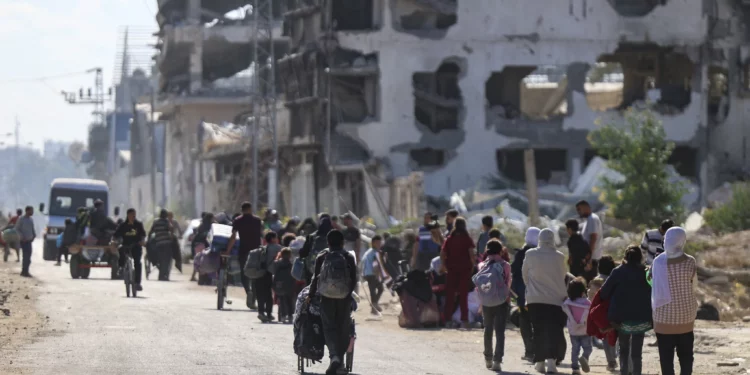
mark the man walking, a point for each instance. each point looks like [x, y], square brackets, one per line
[653, 241]
[592, 232]
[249, 227]
[27, 234]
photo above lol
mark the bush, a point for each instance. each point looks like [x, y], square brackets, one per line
[639, 151]
[734, 215]
[514, 238]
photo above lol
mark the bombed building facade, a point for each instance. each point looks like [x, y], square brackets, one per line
[457, 90]
[383, 102]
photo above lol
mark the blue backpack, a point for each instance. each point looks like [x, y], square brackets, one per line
[491, 287]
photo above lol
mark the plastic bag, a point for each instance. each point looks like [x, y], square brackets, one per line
[298, 269]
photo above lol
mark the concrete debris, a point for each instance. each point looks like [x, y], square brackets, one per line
[217, 135]
[717, 280]
[720, 196]
[593, 176]
[727, 364]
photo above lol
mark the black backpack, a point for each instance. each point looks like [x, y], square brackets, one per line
[319, 244]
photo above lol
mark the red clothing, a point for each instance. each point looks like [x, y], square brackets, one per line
[13, 221]
[598, 321]
[457, 284]
[457, 248]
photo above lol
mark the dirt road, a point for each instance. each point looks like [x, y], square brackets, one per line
[174, 328]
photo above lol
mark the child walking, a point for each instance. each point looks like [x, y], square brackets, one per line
[284, 284]
[371, 272]
[493, 288]
[577, 306]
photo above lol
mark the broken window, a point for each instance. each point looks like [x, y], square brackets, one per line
[354, 98]
[528, 91]
[424, 15]
[551, 165]
[653, 76]
[718, 94]
[428, 157]
[438, 99]
[604, 85]
[635, 8]
[685, 161]
[353, 15]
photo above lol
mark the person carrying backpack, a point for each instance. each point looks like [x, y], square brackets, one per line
[493, 288]
[314, 244]
[259, 269]
[577, 307]
[335, 278]
[518, 286]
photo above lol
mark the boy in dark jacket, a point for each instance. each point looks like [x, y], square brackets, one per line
[283, 285]
[70, 235]
[335, 313]
[579, 252]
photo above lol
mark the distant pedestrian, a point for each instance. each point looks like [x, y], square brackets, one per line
[518, 286]
[544, 274]
[484, 236]
[579, 253]
[69, 237]
[592, 232]
[428, 244]
[606, 265]
[371, 264]
[496, 316]
[629, 296]
[652, 244]
[284, 285]
[576, 307]
[27, 234]
[352, 237]
[450, 219]
[249, 228]
[263, 286]
[674, 303]
[458, 258]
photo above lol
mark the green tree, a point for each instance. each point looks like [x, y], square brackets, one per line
[639, 151]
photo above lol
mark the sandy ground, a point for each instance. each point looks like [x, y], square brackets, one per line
[174, 328]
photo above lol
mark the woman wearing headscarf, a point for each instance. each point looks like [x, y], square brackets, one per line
[458, 260]
[544, 272]
[629, 296]
[519, 289]
[674, 303]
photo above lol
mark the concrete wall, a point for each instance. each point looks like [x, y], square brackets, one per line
[488, 36]
[140, 195]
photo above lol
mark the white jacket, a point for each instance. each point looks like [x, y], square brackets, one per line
[576, 328]
[544, 272]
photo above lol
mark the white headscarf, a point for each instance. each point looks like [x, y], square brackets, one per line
[547, 239]
[532, 236]
[674, 243]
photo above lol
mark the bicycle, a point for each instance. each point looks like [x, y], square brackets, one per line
[221, 282]
[128, 274]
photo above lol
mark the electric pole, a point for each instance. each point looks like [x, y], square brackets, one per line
[264, 98]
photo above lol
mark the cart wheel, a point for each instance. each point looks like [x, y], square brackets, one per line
[75, 271]
[84, 272]
[349, 360]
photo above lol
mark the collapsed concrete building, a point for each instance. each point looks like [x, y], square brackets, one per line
[455, 90]
[204, 62]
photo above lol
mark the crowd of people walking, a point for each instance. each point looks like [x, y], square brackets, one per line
[603, 303]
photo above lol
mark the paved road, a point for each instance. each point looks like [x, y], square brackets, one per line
[174, 328]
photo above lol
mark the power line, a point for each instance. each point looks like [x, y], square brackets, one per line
[47, 78]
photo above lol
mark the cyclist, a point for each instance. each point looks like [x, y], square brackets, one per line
[133, 235]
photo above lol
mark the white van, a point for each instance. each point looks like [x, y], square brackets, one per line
[65, 197]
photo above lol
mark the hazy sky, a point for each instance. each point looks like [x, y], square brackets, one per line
[42, 38]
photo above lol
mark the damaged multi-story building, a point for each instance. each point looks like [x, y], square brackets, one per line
[454, 91]
[206, 77]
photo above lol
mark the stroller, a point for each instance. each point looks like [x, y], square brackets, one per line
[309, 342]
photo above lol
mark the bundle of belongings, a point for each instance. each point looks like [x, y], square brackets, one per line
[418, 304]
[309, 341]
[208, 260]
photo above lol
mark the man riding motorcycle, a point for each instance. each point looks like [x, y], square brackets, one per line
[162, 241]
[100, 224]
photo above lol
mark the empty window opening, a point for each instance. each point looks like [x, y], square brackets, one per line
[604, 83]
[424, 15]
[653, 75]
[529, 92]
[352, 15]
[718, 94]
[428, 157]
[685, 161]
[635, 8]
[551, 165]
[438, 99]
[354, 98]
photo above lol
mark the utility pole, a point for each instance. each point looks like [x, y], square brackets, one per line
[152, 136]
[264, 98]
[531, 187]
[16, 160]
